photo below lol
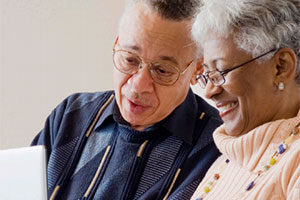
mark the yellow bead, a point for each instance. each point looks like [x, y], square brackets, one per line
[272, 161]
[206, 189]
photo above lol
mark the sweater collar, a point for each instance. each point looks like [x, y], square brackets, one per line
[180, 123]
[247, 150]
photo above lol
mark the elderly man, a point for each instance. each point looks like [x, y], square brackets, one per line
[150, 138]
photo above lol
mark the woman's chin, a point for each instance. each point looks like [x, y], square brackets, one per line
[232, 130]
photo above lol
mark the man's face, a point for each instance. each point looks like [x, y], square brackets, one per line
[143, 102]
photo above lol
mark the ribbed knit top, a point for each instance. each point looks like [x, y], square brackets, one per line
[249, 153]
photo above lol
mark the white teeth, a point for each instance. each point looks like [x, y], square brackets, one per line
[226, 107]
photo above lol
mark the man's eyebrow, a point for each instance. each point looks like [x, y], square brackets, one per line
[168, 58]
[164, 58]
[131, 47]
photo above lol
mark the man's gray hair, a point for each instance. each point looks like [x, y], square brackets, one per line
[171, 9]
[257, 25]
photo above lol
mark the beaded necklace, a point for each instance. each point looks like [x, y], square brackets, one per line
[273, 160]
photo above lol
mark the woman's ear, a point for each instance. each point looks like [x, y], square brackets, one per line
[286, 64]
[198, 70]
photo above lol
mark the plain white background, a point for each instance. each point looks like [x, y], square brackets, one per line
[50, 49]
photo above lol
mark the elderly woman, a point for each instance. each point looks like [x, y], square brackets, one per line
[251, 51]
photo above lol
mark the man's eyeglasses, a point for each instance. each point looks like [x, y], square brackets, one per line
[217, 78]
[161, 73]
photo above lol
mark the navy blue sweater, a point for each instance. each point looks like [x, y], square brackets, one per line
[94, 154]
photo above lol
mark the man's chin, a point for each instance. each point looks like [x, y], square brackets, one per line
[136, 122]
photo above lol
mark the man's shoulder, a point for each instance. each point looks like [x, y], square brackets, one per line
[209, 120]
[78, 101]
[208, 109]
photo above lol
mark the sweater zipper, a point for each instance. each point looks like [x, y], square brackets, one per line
[128, 192]
[174, 173]
[169, 183]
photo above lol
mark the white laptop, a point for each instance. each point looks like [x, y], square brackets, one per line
[23, 174]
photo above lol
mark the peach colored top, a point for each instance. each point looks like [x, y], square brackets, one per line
[248, 154]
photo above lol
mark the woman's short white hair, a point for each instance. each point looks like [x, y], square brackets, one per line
[257, 26]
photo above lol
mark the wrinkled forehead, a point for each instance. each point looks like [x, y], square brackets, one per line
[216, 48]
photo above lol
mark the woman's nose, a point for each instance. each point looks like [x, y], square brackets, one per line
[211, 90]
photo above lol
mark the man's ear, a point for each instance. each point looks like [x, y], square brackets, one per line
[286, 64]
[198, 70]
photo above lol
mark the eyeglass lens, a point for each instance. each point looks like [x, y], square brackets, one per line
[129, 63]
[214, 76]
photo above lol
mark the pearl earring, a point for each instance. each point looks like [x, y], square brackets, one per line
[281, 86]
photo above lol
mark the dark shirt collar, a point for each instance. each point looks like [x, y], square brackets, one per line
[180, 123]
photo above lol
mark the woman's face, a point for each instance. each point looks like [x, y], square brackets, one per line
[249, 96]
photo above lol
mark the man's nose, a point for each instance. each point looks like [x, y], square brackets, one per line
[141, 81]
